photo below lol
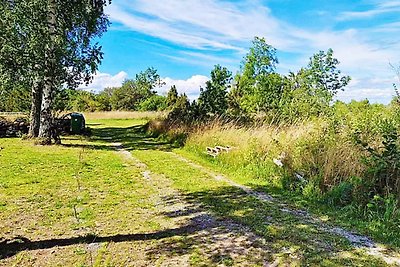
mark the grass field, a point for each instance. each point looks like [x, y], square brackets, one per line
[119, 115]
[89, 203]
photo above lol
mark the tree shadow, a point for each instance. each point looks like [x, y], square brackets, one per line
[132, 138]
[9, 248]
[288, 237]
[224, 223]
[90, 146]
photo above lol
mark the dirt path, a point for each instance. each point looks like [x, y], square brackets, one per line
[225, 228]
[358, 241]
[218, 241]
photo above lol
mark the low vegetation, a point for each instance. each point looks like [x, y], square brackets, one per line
[345, 163]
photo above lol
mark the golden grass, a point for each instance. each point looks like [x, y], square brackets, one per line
[308, 147]
[124, 115]
[13, 115]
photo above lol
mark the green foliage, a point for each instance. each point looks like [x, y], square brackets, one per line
[257, 87]
[15, 99]
[148, 80]
[356, 182]
[323, 74]
[172, 96]
[47, 44]
[134, 94]
[134, 91]
[383, 161]
[63, 100]
[85, 101]
[154, 103]
[76, 100]
[181, 111]
[74, 56]
[386, 209]
[213, 99]
[312, 191]
[300, 99]
[309, 92]
[260, 61]
[104, 99]
[341, 194]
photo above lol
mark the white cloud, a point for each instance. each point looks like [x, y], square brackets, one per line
[103, 80]
[201, 24]
[219, 25]
[201, 59]
[213, 25]
[191, 86]
[376, 89]
[375, 95]
[380, 8]
[164, 29]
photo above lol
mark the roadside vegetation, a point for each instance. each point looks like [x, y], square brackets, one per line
[288, 135]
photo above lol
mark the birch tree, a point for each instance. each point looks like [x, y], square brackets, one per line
[51, 44]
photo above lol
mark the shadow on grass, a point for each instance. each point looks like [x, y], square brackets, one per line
[132, 138]
[241, 227]
[9, 248]
[90, 146]
[287, 237]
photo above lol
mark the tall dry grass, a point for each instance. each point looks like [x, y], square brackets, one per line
[306, 147]
[13, 115]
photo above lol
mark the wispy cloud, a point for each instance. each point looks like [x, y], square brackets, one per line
[212, 24]
[379, 9]
[204, 27]
[202, 59]
[208, 24]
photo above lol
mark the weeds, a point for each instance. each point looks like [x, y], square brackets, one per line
[347, 159]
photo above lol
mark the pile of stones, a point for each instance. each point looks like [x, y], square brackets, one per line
[13, 128]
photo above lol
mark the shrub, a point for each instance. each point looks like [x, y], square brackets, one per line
[154, 103]
[341, 194]
[383, 158]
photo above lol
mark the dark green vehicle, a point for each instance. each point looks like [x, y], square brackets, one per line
[73, 123]
[77, 123]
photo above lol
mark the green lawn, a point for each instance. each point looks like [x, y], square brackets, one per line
[85, 204]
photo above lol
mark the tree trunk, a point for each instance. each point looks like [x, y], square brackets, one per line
[46, 116]
[36, 105]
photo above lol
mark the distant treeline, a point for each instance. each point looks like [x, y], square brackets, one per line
[134, 94]
[256, 90]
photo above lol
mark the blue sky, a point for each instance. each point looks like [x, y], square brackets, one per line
[184, 39]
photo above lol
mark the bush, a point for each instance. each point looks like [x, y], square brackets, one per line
[383, 158]
[154, 103]
[341, 194]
